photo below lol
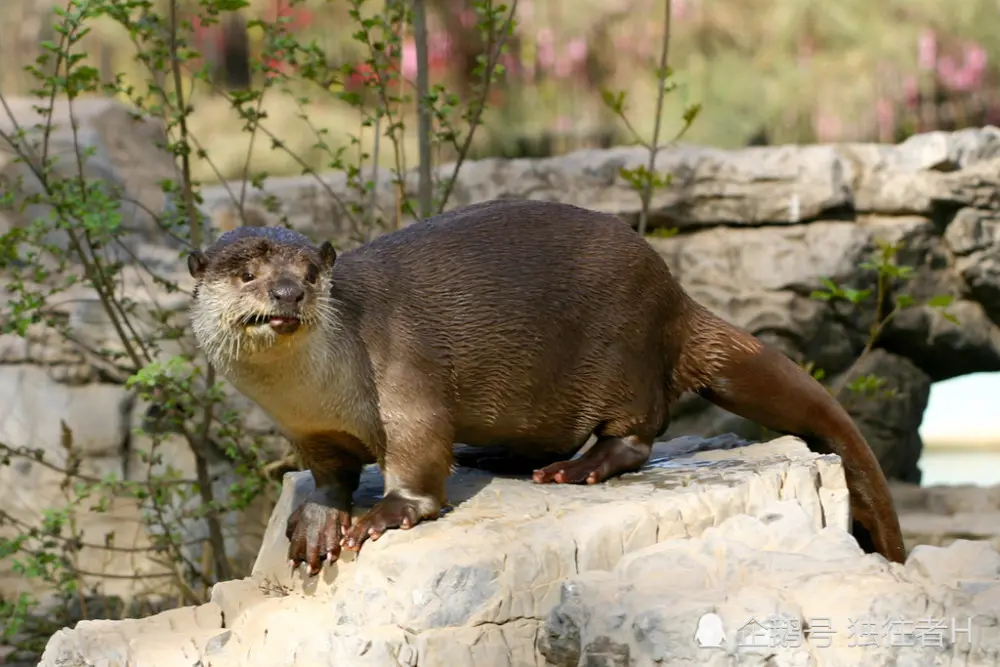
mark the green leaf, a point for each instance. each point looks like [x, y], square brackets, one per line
[940, 301]
[614, 101]
[691, 113]
[856, 296]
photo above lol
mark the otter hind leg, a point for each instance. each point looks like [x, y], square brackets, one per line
[622, 446]
[609, 457]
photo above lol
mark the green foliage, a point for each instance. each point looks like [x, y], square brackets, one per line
[644, 179]
[891, 278]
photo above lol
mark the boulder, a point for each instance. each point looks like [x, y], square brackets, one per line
[613, 574]
[771, 589]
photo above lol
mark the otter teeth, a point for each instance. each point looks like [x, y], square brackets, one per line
[282, 324]
[256, 320]
[261, 320]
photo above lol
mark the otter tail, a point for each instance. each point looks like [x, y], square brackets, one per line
[737, 372]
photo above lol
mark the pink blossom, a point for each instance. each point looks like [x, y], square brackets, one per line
[509, 62]
[576, 50]
[975, 56]
[546, 49]
[563, 124]
[961, 80]
[968, 75]
[927, 50]
[947, 70]
[409, 59]
[439, 48]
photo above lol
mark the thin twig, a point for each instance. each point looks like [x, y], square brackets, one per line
[425, 186]
[875, 332]
[29, 454]
[647, 191]
[253, 137]
[192, 209]
[373, 196]
[480, 103]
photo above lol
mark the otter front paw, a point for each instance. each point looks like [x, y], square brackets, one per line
[314, 533]
[393, 511]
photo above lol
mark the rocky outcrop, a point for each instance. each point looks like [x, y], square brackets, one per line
[622, 573]
[770, 589]
[759, 228]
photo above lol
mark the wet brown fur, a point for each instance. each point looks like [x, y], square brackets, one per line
[526, 325]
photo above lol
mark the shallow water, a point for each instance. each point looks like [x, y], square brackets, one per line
[960, 467]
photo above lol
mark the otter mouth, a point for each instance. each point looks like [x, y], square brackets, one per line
[281, 324]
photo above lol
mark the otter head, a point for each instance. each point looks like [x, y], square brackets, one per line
[258, 288]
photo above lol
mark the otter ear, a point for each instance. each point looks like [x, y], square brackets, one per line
[327, 254]
[196, 264]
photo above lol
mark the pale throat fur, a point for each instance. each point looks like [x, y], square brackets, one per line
[308, 382]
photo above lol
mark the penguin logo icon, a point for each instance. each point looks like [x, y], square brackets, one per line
[710, 633]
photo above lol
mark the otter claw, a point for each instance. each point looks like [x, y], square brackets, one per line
[314, 533]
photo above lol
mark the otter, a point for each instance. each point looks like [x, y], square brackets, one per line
[523, 325]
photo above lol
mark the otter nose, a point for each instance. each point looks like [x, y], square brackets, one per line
[287, 293]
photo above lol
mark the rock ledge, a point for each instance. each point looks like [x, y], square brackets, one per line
[615, 574]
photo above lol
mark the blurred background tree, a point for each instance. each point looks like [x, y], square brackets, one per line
[768, 71]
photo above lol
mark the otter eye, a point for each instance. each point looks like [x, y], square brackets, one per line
[312, 273]
[247, 276]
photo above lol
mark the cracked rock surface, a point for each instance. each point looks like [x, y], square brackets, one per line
[529, 575]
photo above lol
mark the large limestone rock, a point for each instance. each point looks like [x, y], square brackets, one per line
[771, 589]
[614, 574]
